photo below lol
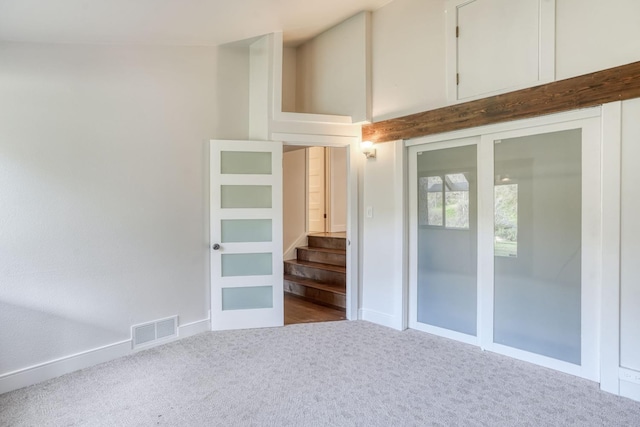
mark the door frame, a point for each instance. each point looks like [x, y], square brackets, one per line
[353, 158]
[591, 232]
[413, 241]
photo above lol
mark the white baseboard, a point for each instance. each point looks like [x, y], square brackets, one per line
[290, 252]
[630, 390]
[55, 368]
[338, 228]
[193, 328]
[64, 365]
[379, 318]
[629, 383]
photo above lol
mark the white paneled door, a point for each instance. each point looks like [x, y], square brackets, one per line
[246, 234]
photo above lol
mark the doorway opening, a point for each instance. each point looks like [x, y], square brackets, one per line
[314, 233]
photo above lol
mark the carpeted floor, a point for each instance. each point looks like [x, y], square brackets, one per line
[322, 374]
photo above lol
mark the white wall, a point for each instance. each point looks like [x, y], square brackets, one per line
[594, 35]
[333, 70]
[294, 191]
[383, 255]
[103, 193]
[289, 78]
[231, 83]
[408, 58]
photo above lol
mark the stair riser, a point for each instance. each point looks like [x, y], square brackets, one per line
[316, 295]
[322, 257]
[328, 242]
[330, 277]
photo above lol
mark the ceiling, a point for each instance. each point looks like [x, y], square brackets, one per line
[170, 22]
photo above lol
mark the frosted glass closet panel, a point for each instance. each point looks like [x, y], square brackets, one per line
[537, 252]
[447, 239]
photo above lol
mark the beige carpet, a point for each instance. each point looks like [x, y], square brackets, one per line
[323, 374]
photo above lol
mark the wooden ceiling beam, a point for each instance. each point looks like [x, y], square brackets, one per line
[589, 90]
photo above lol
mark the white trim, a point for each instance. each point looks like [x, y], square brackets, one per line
[412, 268]
[445, 333]
[629, 375]
[402, 237]
[305, 140]
[290, 252]
[64, 365]
[485, 268]
[353, 247]
[311, 118]
[546, 50]
[537, 359]
[54, 368]
[194, 328]
[611, 199]
[382, 319]
[630, 390]
[353, 154]
[506, 126]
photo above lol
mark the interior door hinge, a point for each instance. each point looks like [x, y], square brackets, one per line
[457, 78]
[457, 31]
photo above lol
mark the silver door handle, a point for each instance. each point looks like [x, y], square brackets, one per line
[216, 246]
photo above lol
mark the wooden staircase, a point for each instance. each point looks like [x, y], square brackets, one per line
[319, 273]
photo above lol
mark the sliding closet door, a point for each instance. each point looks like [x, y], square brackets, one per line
[444, 224]
[544, 248]
[505, 233]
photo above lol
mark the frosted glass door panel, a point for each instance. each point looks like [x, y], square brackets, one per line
[247, 298]
[538, 205]
[245, 196]
[447, 239]
[246, 230]
[245, 162]
[246, 265]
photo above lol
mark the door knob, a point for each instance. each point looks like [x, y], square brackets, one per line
[216, 247]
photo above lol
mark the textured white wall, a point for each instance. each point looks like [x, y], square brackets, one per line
[408, 58]
[103, 192]
[332, 71]
[382, 246]
[594, 35]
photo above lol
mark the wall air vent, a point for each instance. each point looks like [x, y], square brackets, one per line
[150, 333]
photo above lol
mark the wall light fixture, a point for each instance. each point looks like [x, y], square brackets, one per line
[368, 150]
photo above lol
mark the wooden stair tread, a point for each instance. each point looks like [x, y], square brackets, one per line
[328, 267]
[315, 284]
[336, 235]
[325, 250]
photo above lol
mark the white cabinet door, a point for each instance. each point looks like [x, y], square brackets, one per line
[502, 45]
[246, 234]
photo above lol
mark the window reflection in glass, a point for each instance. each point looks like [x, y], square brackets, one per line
[444, 201]
[506, 220]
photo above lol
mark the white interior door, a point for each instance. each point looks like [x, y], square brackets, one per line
[317, 197]
[246, 234]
